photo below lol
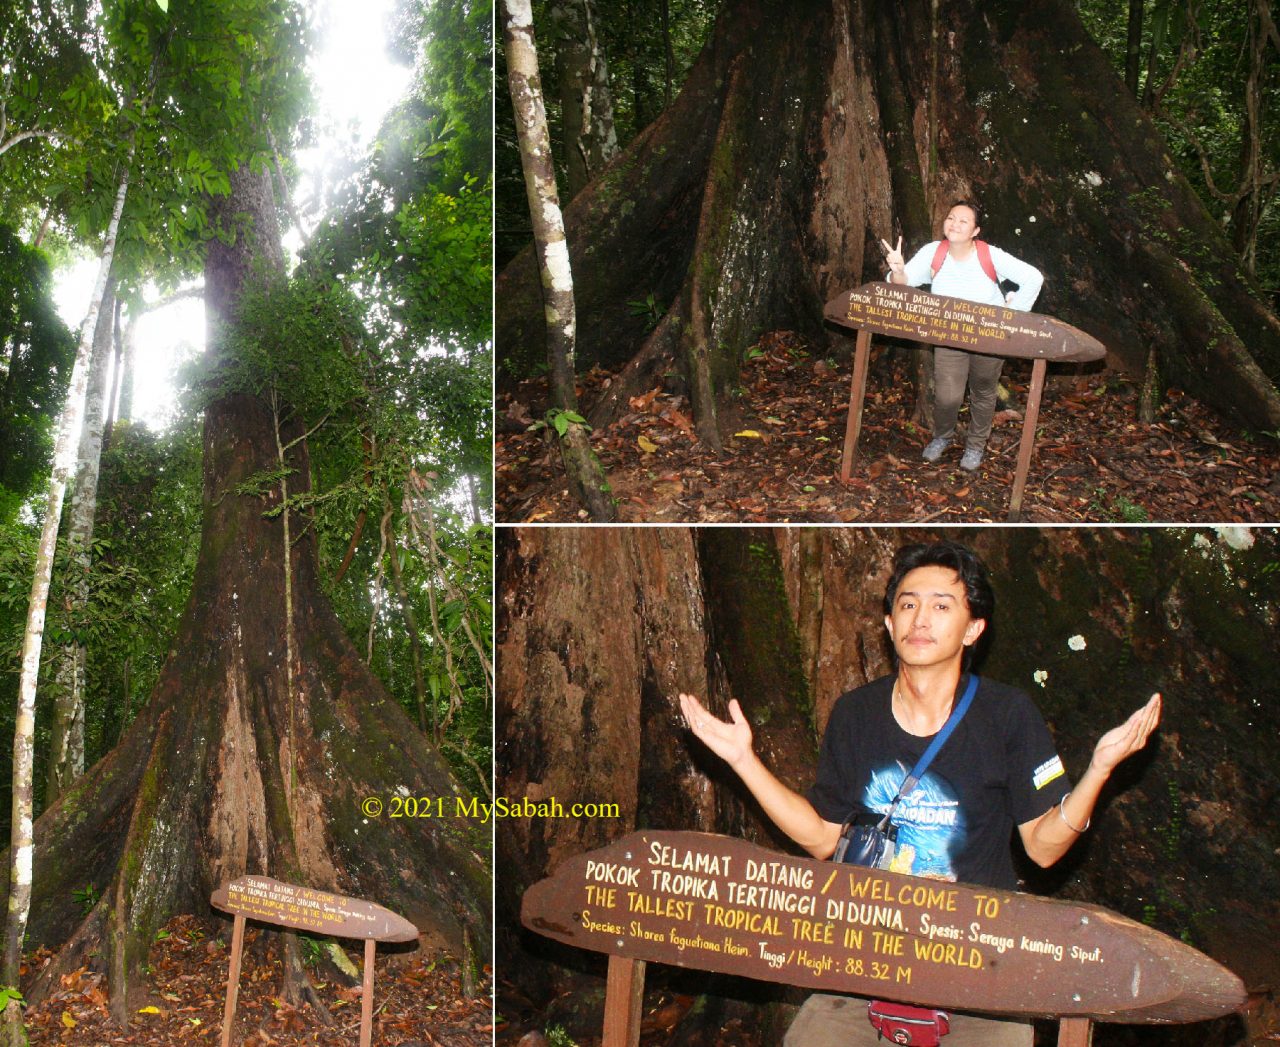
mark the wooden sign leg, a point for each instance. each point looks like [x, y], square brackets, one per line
[623, 1000]
[233, 979]
[1075, 1032]
[1028, 438]
[366, 996]
[857, 393]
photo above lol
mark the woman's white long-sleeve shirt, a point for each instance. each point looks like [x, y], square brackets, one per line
[967, 280]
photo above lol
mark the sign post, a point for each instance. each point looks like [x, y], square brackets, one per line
[904, 312]
[317, 912]
[714, 903]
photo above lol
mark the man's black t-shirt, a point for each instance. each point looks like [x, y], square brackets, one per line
[998, 769]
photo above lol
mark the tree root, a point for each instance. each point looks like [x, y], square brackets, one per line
[296, 988]
[587, 479]
[636, 377]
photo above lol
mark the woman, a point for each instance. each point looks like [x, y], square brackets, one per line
[969, 269]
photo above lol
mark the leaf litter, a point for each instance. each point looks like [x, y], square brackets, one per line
[417, 1002]
[1093, 462]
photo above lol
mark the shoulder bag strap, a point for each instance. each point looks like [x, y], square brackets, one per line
[939, 740]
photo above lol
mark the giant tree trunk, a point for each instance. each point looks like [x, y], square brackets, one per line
[241, 763]
[806, 132]
[787, 620]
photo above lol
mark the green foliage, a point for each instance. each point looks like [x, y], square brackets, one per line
[649, 308]
[312, 949]
[86, 897]
[1203, 115]
[143, 559]
[560, 420]
[36, 351]
[190, 94]
[557, 1036]
[635, 54]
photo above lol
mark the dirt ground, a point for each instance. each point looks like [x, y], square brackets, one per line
[416, 1002]
[1094, 462]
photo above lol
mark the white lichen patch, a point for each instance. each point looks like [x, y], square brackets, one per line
[555, 258]
[22, 863]
[520, 13]
[1238, 538]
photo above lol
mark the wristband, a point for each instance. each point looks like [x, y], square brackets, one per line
[1062, 813]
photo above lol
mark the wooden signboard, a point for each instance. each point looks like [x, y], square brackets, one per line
[904, 312]
[720, 904]
[316, 912]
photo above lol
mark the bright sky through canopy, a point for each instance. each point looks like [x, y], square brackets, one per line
[355, 84]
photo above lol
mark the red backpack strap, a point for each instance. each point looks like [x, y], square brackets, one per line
[939, 256]
[984, 260]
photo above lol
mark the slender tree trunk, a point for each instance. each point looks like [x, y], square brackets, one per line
[66, 736]
[1133, 47]
[21, 841]
[410, 619]
[585, 474]
[586, 102]
[117, 358]
[668, 55]
[422, 530]
[128, 364]
[6, 399]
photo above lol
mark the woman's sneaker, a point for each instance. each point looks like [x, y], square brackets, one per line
[971, 459]
[934, 448]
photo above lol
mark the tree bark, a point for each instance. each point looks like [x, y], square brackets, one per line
[410, 624]
[117, 364]
[1133, 47]
[264, 732]
[22, 842]
[66, 735]
[586, 477]
[563, 679]
[767, 194]
[586, 102]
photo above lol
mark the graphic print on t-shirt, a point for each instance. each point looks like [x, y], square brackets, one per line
[930, 825]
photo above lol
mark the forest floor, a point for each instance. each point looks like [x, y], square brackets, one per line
[416, 1002]
[1093, 461]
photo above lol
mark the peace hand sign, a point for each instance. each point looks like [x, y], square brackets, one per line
[893, 255]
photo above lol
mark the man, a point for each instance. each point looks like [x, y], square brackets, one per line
[999, 769]
[969, 269]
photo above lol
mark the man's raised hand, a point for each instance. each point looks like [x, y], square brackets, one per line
[1121, 742]
[729, 741]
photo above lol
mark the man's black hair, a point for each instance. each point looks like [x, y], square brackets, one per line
[973, 205]
[961, 559]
